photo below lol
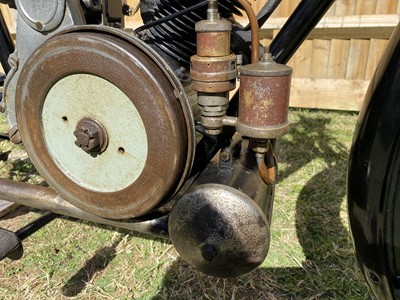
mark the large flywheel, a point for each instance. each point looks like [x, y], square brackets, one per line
[104, 123]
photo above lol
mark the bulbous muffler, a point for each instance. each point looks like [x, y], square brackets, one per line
[219, 231]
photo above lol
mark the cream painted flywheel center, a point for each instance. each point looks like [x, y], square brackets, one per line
[84, 96]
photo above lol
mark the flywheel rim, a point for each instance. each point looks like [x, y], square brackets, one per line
[50, 64]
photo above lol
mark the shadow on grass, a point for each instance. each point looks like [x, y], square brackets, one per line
[329, 270]
[99, 261]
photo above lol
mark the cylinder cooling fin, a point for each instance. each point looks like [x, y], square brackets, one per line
[176, 37]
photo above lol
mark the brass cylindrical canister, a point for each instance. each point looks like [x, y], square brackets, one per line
[264, 99]
[213, 37]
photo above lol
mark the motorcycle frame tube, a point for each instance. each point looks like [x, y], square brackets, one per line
[296, 29]
[47, 199]
[374, 178]
[6, 44]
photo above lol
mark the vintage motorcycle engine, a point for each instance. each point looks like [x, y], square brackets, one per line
[126, 126]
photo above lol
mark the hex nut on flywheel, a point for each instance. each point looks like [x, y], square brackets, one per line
[91, 136]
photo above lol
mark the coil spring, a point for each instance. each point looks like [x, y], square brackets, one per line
[177, 37]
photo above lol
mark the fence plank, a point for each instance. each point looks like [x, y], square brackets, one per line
[345, 7]
[386, 7]
[9, 17]
[322, 93]
[303, 57]
[344, 27]
[377, 47]
[357, 61]
[365, 7]
[320, 58]
[332, 10]
[338, 58]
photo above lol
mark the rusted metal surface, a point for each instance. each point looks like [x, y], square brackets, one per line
[47, 199]
[237, 167]
[264, 100]
[212, 69]
[214, 34]
[214, 87]
[267, 166]
[208, 220]
[90, 135]
[14, 135]
[219, 230]
[168, 137]
[213, 44]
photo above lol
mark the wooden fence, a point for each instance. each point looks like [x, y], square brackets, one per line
[333, 67]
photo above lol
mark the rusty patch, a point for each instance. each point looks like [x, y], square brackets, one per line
[263, 106]
[214, 44]
[212, 69]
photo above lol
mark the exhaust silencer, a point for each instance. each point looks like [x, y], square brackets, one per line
[218, 228]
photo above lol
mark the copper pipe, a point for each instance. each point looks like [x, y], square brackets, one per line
[267, 166]
[255, 31]
[267, 174]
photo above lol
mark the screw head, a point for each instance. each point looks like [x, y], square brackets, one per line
[39, 26]
[14, 135]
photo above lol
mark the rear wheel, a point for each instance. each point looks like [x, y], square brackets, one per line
[374, 179]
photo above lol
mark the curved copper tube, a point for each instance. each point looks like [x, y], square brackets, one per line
[267, 167]
[255, 31]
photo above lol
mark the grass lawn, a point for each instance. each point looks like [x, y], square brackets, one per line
[311, 256]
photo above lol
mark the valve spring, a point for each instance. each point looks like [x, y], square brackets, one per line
[177, 37]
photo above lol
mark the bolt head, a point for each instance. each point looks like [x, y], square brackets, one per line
[209, 252]
[225, 156]
[90, 136]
